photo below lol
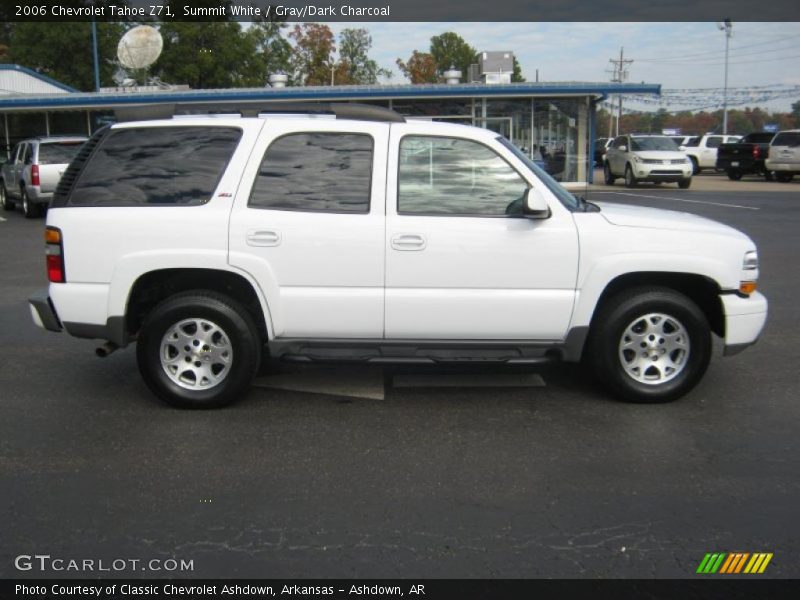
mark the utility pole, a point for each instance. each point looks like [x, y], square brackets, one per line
[620, 74]
[727, 27]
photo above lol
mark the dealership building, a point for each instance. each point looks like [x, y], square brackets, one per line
[554, 123]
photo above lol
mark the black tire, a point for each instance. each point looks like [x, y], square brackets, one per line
[734, 174]
[768, 176]
[695, 166]
[784, 177]
[236, 323]
[608, 175]
[685, 183]
[29, 209]
[6, 202]
[609, 325]
[630, 180]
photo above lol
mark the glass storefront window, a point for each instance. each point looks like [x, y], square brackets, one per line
[560, 134]
[445, 107]
[511, 118]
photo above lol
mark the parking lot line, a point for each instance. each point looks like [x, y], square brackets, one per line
[681, 200]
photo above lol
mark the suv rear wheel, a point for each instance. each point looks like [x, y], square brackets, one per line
[29, 209]
[784, 177]
[649, 345]
[198, 349]
[5, 201]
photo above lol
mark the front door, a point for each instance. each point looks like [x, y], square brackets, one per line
[461, 261]
[308, 224]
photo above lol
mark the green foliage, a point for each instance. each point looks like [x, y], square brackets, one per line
[359, 68]
[796, 111]
[312, 59]
[273, 51]
[516, 76]
[209, 55]
[41, 47]
[450, 49]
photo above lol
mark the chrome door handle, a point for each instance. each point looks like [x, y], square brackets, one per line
[408, 241]
[259, 237]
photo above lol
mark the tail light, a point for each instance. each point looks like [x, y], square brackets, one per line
[54, 247]
[35, 175]
[756, 152]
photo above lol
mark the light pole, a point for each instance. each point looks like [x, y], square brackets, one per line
[727, 27]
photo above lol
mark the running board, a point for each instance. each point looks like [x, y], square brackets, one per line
[416, 352]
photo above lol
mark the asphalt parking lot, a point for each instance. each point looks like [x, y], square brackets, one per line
[358, 473]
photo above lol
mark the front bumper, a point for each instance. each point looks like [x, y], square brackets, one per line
[42, 311]
[744, 320]
[669, 173]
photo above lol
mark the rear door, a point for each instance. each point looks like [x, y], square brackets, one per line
[308, 223]
[708, 154]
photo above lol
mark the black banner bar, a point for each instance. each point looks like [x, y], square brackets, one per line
[384, 589]
[398, 10]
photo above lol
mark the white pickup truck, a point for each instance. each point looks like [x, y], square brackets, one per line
[354, 235]
[702, 150]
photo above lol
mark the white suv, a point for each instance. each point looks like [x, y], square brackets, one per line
[784, 155]
[654, 158]
[359, 236]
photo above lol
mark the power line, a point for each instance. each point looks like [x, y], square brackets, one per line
[655, 59]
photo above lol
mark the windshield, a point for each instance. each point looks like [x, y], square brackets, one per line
[567, 199]
[58, 153]
[653, 143]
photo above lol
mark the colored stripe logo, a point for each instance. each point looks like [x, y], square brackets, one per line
[729, 563]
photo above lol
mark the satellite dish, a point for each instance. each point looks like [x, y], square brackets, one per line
[139, 47]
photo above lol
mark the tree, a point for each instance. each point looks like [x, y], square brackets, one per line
[358, 67]
[273, 51]
[41, 47]
[209, 55]
[516, 75]
[313, 53]
[420, 68]
[796, 111]
[450, 50]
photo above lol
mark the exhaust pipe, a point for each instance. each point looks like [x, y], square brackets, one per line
[106, 349]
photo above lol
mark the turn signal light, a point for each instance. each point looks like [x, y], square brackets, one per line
[747, 287]
[54, 249]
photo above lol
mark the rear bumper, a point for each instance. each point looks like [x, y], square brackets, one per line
[748, 165]
[783, 167]
[37, 196]
[42, 311]
[744, 320]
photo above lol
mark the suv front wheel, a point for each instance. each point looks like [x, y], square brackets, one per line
[198, 349]
[630, 180]
[649, 345]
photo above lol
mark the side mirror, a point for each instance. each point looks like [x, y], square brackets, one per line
[623, 148]
[682, 147]
[534, 206]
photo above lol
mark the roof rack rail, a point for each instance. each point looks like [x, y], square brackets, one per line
[341, 110]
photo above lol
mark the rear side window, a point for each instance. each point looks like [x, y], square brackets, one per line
[161, 166]
[713, 142]
[315, 172]
[787, 139]
[60, 153]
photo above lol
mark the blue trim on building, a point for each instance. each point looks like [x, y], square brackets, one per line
[376, 92]
[39, 76]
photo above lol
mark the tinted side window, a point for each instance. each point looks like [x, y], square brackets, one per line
[695, 141]
[319, 172]
[156, 166]
[451, 176]
[713, 142]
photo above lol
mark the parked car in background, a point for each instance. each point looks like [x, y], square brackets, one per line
[681, 140]
[600, 148]
[643, 157]
[784, 155]
[745, 156]
[702, 150]
[32, 172]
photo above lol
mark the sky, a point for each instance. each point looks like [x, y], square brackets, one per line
[675, 55]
